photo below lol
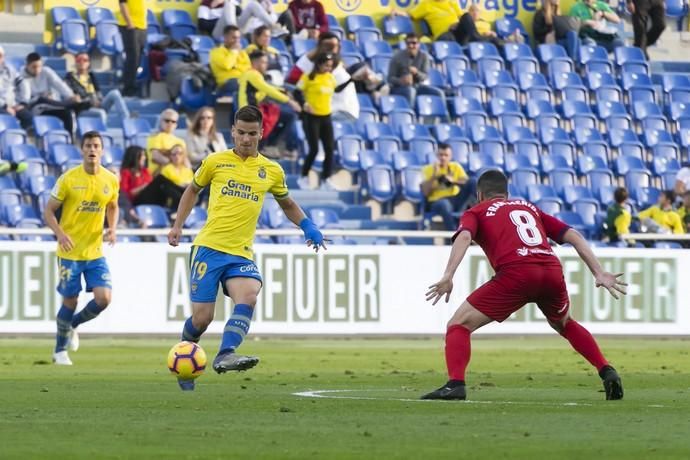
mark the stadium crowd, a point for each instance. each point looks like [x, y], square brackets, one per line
[413, 111]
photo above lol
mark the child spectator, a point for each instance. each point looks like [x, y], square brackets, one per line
[317, 89]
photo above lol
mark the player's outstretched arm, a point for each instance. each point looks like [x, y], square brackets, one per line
[64, 241]
[312, 234]
[187, 202]
[457, 253]
[601, 277]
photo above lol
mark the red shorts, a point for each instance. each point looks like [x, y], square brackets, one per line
[511, 288]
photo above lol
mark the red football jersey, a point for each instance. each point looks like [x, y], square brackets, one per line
[513, 232]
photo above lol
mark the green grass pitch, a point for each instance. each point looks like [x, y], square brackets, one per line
[531, 398]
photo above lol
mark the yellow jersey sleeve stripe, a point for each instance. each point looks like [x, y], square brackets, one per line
[282, 196]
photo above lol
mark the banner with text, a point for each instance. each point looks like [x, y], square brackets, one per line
[347, 290]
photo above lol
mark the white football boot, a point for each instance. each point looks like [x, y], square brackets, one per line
[61, 358]
[73, 339]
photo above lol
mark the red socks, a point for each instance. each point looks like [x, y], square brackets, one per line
[583, 342]
[458, 351]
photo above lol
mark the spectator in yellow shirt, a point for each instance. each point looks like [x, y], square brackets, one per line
[261, 41]
[441, 15]
[317, 88]
[159, 145]
[228, 61]
[278, 119]
[662, 218]
[446, 187]
[684, 211]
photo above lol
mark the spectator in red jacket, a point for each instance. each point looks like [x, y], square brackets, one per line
[309, 16]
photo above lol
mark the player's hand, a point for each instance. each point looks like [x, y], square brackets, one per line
[439, 289]
[110, 237]
[174, 236]
[65, 242]
[313, 236]
[611, 283]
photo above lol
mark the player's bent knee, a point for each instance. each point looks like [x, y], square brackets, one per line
[248, 299]
[469, 317]
[559, 325]
[103, 299]
[70, 302]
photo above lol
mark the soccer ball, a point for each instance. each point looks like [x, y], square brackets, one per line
[187, 360]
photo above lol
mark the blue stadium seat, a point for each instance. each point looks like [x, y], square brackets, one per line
[549, 135]
[272, 216]
[507, 26]
[667, 244]
[555, 161]
[13, 214]
[86, 124]
[112, 156]
[432, 107]
[575, 221]
[514, 51]
[74, 36]
[60, 154]
[387, 146]
[661, 165]
[108, 38]
[371, 158]
[614, 114]
[409, 131]
[61, 14]
[410, 181]
[481, 161]
[436, 78]
[461, 148]
[95, 15]
[587, 163]
[11, 137]
[178, 23]
[444, 131]
[7, 121]
[192, 97]
[479, 51]
[367, 34]
[377, 48]
[406, 158]
[574, 110]
[22, 152]
[341, 128]
[153, 27]
[501, 84]
[394, 26]
[559, 178]
[524, 65]
[572, 193]
[676, 87]
[522, 178]
[535, 87]
[381, 183]
[349, 148]
[605, 194]
[514, 161]
[45, 123]
[355, 22]
[470, 111]
[391, 102]
[348, 46]
[480, 133]
[639, 87]
[587, 209]
[323, 217]
[373, 131]
[462, 79]
[40, 184]
[550, 205]
[488, 65]
[591, 53]
[631, 59]
[152, 215]
[638, 178]
[624, 163]
[583, 136]
[423, 146]
[548, 53]
[652, 137]
[441, 50]
[455, 64]
[539, 109]
[301, 46]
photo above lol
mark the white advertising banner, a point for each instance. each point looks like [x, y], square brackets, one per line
[345, 290]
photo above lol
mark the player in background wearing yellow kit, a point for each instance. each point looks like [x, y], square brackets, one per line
[86, 193]
[222, 252]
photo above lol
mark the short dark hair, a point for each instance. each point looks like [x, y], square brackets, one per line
[443, 146]
[327, 36]
[256, 54]
[91, 135]
[491, 183]
[32, 57]
[249, 114]
[620, 195]
[670, 195]
[230, 28]
[259, 30]
[411, 35]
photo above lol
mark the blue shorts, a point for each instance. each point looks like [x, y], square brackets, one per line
[210, 267]
[96, 274]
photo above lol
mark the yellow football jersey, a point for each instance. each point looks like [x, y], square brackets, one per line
[84, 197]
[237, 194]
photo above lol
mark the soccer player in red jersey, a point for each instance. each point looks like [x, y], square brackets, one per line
[513, 234]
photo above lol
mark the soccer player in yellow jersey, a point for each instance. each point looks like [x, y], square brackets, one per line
[222, 252]
[86, 193]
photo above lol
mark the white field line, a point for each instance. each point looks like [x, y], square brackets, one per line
[338, 394]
